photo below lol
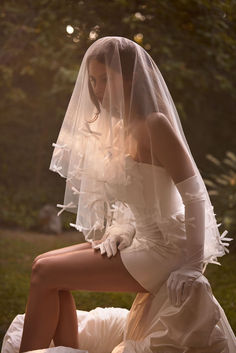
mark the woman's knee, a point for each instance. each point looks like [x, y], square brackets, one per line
[46, 273]
[40, 274]
[36, 270]
[35, 260]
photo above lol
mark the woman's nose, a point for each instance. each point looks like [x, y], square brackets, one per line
[99, 90]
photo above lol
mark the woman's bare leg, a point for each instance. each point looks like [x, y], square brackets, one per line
[75, 247]
[66, 333]
[78, 270]
[39, 314]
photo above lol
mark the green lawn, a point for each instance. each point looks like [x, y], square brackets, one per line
[18, 249]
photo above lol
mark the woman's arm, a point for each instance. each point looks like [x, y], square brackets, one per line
[169, 150]
[120, 233]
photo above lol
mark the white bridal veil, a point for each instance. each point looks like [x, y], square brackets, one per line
[117, 88]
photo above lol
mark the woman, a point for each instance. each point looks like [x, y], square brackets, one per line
[143, 208]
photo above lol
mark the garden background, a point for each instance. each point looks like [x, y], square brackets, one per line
[41, 47]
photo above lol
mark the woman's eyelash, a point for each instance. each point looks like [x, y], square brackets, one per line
[94, 80]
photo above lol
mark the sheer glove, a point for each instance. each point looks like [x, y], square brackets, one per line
[180, 281]
[117, 236]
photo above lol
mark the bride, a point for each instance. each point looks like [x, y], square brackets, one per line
[145, 213]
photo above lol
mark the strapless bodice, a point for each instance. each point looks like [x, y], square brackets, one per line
[147, 184]
[152, 198]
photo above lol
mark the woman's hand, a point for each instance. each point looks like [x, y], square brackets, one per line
[117, 236]
[179, 284]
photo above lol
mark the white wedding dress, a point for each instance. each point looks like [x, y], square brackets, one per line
[152, 324]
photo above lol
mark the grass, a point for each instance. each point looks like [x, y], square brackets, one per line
[19, 248]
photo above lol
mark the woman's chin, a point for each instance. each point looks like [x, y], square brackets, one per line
[112, 110]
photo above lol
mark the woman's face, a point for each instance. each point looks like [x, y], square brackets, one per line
[105, 80]
[98, 78]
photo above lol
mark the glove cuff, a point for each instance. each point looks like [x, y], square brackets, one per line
[193, 267]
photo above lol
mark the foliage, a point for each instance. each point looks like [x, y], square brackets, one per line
[223, 188]
[20, 208]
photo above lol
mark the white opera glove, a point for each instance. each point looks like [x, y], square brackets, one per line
[180, 281]
[117, 236]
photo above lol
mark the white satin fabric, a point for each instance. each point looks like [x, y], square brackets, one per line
[100, 330]
[198, 325]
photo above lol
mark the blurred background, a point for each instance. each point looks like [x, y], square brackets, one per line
[42, 44]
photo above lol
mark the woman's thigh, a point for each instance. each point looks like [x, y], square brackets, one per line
[71, 248]
[85, 270]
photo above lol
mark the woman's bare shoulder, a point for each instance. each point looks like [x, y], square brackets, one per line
[168, 147]
[161, 129]
[157, 118]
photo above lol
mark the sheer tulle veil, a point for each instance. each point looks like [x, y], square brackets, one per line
[99, 134]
